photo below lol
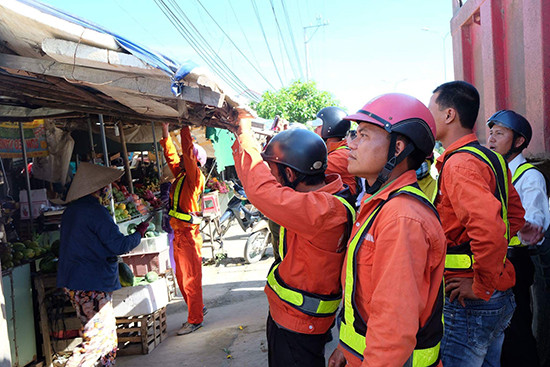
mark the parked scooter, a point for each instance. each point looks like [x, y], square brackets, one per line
[257, 242]
[248, 217]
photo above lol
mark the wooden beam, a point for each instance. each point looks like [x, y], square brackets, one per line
[90, 76]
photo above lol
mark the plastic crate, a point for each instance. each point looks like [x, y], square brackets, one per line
[142, 263]
[152, 244]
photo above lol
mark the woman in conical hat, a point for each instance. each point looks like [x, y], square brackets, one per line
[87, 268]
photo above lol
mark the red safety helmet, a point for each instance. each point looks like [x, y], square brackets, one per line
[403, 114]
[399, 114]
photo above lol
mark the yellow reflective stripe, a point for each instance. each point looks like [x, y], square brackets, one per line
[504, 170]
[328, 306]
[282, 242]
[355, 341]
[350, 337]
[519, 171]
[415, 191]
[177, 192]
[286, 294]
[347, 205]
[426, 357]
[516, 242]
[342, 147]
[458, 261]
[297, 299]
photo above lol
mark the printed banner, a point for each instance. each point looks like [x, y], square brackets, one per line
[35, 139]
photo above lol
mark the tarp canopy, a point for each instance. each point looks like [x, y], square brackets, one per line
[53, 64]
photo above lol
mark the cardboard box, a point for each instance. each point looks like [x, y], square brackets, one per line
[38, 199]
[140, 299]
[142, 263]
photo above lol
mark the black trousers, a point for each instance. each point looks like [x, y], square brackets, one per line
[519, 347]
[290, 349]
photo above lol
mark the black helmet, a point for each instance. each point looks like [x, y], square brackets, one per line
[515, 122]
[334, 125]
[300, 149]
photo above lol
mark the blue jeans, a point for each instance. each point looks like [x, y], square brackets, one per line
[473, 335]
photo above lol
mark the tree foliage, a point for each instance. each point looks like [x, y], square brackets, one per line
[299, 102]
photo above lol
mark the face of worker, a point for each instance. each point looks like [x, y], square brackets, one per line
[500, 139]
[440, 116]
[318, 130]
[368, 151]
[275, 172]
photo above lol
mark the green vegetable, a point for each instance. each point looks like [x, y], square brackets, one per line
[125, 275]
[151, 276]
[48, 264]
[131, 228]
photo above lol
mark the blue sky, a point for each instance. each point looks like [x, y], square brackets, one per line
[369, 47]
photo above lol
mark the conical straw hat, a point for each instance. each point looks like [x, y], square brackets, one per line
[90, 178]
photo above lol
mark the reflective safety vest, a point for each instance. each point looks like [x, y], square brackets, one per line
[461, 257]
[175, 210]
[342, 147]
[353, 328]
[311, 304]
[522, 168]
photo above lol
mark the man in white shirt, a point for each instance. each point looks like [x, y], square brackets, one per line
[509, 134]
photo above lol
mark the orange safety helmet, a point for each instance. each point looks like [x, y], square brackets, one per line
[399, 114]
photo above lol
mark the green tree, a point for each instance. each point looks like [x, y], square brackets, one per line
[299, 102]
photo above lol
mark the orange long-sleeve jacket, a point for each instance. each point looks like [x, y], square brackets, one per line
[315, 223]
[399, 273]
[338, 163]
[193, 185]
[470, 211]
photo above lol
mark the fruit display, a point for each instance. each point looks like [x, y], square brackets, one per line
[17, 253]
[121, 213]
[215, 185]
[150, 277]
[125, 275]
[155, 202]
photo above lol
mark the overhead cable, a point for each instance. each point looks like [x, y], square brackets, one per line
[266, 42]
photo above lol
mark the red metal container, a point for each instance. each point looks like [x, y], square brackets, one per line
[503, 48]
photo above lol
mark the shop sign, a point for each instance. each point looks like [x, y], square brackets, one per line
[35, 139]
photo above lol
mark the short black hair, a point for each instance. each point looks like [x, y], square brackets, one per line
[415, 159]
[316, 179]
[461, 96]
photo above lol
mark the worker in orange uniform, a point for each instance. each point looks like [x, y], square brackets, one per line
[332, 128]
[303, 289]
[479, 208]
[392, 274]
[185, 210]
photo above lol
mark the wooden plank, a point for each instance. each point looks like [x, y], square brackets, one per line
[44, 327]
[91, 77]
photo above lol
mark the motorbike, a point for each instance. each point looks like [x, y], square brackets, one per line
[239, 209]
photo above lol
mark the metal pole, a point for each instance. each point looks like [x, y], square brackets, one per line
[91, 136]
[106, 159]
[307, 59]
[24, 148]
[156, 150]
[125, 158]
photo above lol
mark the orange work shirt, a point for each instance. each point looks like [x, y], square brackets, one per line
[338, 163]
[315, 223]
[193, 186]
[470, 211]
[399, 273]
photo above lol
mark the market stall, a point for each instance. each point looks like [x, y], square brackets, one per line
[74, 80]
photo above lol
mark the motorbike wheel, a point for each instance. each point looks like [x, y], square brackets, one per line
[255, 246]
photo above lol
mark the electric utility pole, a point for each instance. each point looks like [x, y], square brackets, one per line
[307, 40]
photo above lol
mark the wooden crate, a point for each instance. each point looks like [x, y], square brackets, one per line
[141, 334]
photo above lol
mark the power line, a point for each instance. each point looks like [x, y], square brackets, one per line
[243, 32]
[202, 47]
[283, 39]
[266, 42]
[292, 39]
[235, 45]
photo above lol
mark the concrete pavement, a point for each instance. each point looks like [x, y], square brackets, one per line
[233, 332]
